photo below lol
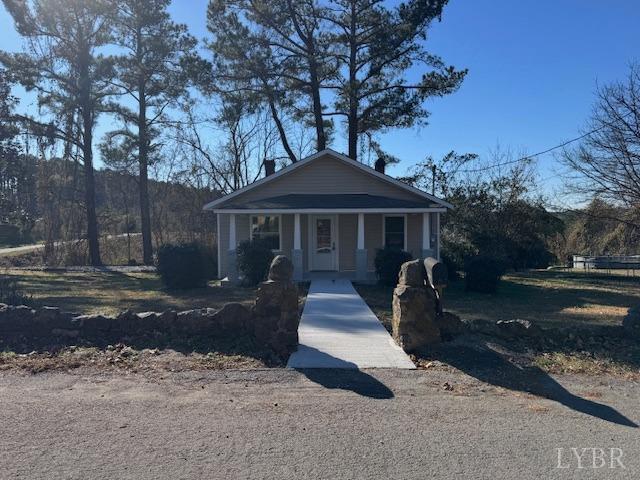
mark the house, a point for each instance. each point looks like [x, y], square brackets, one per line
[329, 214]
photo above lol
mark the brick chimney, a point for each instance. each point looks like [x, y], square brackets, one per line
[379, 165]
[269, 167]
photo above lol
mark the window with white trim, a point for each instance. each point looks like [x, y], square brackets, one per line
[394, 232]
[266, 227]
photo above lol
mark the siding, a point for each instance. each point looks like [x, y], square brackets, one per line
[372, 237]
[325, 176]
[414, 234]
[348, 241]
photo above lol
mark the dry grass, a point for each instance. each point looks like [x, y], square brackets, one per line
[550, 298]
[111, 292]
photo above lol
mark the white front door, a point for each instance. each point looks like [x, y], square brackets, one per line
[323, 242]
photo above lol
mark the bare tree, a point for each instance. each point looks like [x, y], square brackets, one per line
[607, 163]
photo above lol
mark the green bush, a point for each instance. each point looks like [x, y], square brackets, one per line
[453, 268]
[388, 262]
[254, 258]
[182, 266]
[482, 274]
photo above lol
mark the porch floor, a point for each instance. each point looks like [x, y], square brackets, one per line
[339, 330]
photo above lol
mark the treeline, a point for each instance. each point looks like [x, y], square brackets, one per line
[43, 201]
[272, 82]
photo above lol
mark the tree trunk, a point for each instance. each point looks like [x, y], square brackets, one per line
[283, 134]
[143, 164]
[87, 153]
[353, 86]
[321, 139]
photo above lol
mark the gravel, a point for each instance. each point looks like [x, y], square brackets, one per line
[280, 423]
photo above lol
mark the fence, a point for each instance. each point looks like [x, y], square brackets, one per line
[607, 262]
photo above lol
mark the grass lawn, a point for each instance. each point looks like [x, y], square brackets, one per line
[550, 298]
[112, 292]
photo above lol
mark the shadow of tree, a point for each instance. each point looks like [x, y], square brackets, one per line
[488, 366]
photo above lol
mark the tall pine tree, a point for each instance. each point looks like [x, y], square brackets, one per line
[63, 63]
[152, 75]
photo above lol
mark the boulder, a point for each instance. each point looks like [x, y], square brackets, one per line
[275, 313]
[450, 325]
[412, 274]
[414, 316]
[513, 329]
[281, 269]
[231, 317]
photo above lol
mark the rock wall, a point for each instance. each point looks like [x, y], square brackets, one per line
[272, 321]
[48, 324]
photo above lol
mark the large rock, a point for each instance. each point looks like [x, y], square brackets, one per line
[276, 316]
[412, 274]
[450, 325]
[414, 316]
[513, 329]
[232, 317]
[281, 269]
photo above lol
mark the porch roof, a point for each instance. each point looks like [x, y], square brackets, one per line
[347, 202]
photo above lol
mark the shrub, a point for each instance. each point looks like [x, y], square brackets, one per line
[452, 267]
[254, 258]
[181, 266]
[11, 294]
[388, 262]
[482, 274]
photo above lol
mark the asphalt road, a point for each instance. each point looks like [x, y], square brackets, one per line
[285, 424]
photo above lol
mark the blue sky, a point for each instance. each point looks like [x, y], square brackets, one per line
[533, 69]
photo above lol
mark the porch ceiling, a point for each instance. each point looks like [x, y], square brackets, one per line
[352, 201]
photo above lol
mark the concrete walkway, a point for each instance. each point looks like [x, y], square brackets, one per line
[339, 330]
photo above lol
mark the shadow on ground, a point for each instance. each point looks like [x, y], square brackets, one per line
[488, 366]
[345, 375]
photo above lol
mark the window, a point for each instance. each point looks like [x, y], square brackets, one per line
[394, 232]
[266, 227]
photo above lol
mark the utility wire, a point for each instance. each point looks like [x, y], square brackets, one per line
[529, 157]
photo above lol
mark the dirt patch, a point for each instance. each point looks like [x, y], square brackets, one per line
[126, 359]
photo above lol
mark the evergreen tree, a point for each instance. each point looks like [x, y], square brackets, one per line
[153, 75]
[63, 63]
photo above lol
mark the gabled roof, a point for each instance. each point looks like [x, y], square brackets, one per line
[338, 156]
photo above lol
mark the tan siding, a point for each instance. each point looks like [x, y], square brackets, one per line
[286, 241]
[325, 176]
[304, 234]
[243, 230]
[348, 238]
[223, 243]
[414, 234]
[372, 237]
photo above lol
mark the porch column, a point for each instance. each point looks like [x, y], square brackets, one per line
[427, 248]
[232, 267]
[361, 253]
[296, 253]
[437, 228]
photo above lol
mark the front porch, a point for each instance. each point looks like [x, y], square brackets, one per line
[329, 244]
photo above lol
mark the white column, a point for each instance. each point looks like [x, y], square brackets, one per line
[438, 235]
[361, 231]
[426, 231]
[297, 241]
[232, 231]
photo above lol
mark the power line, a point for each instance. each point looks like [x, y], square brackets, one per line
[529, 157]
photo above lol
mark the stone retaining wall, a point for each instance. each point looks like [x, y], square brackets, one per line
[273, 320]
